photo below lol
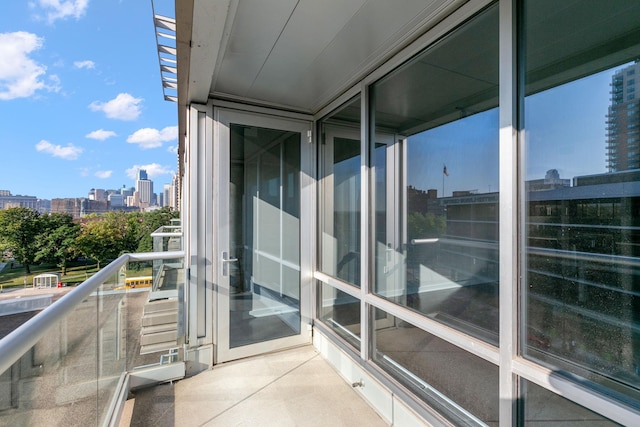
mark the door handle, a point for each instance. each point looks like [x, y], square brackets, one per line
[225, 261]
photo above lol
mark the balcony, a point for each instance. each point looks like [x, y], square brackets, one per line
[111, 350]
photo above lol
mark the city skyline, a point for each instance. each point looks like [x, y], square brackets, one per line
[88, 191]
[82, 102]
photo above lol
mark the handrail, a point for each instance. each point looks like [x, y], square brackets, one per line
[18, 342]
[166, 234]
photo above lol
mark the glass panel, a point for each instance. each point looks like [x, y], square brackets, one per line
[71, 375]
[581, 120]
[544, 408]
[461, 386]
[436, 180]
[264, 200]
[167, 275]
[340, 312]
[340, 200]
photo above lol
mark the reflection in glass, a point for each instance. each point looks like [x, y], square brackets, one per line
[340, 202]
[435, 160]
[340, 312]
[461, 386]
[541, 407]
[582, 283]
[264, 200]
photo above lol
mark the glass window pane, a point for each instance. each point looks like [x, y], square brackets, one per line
[544, 408]
[340, 200]
[264, 199]
[340, 312]
[582, 272]
[463, 387]
[436, 175]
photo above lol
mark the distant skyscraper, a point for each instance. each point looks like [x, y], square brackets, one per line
[97, 194]
[144, 188]
[116, 200]
[623, 121]
[166, 195]
[126, 192]
[175, 192]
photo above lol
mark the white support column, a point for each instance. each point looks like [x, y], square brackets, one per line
[199, 230]
[366, 248]
[508, 211]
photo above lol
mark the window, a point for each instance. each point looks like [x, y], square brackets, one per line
[434, 178]
[340, 213]
[545, 408]
[340, 219]
[435, 158]
[462, 386]
[581, 285]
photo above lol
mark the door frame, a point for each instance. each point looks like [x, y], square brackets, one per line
[223, 118]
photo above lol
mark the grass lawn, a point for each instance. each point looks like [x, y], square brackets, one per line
[77, 272]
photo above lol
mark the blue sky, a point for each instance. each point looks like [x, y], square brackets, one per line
[565, 129]
[81, 103]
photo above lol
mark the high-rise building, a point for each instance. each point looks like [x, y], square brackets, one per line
[175, 192]
[97, 194]
[144, 188]
[166, 195]
[623, 121]
[116, 200]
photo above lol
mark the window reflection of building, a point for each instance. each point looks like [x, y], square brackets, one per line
[623, 121]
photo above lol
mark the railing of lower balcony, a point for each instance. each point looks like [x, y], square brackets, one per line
[74, 363]
[167, 238]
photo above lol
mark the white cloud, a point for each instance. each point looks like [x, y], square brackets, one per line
[101, 134]
[103, 174]
[173, 149]
[70, 152]
[153, 170]
[153, 138]
[122, 107]
[89, 65]
[62, 9]
[20, 75]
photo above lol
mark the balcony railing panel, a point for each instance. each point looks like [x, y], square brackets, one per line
[68, 364]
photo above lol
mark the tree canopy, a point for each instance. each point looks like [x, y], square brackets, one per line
[35, 238]
[19, 231]
[57, 240]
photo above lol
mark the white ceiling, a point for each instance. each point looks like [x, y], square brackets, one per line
[302, 54]
[297, 54]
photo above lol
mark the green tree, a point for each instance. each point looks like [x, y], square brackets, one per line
[108, 236]
[422, 226]
[19, 231]
[56, 243]
[150, 222]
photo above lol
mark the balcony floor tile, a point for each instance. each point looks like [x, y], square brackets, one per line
[295, 387]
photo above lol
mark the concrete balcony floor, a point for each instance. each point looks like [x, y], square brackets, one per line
[295, 387]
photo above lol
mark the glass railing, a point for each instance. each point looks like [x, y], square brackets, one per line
[168, 275]
[74, 362]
